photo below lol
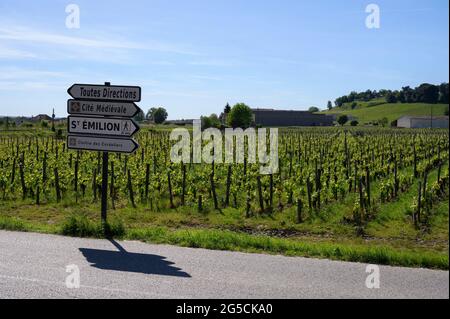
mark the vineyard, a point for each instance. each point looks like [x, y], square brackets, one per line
[355, 194]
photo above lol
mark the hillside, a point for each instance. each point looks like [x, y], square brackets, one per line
[375, 110]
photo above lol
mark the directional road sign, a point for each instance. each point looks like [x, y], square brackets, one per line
[102, 108]
[102, 126]
[106, 144]
[105, 92]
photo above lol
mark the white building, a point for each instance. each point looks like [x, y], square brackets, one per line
[423, 122]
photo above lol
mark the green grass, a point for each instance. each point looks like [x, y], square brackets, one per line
[227, 240]
[82, 226]
[11, 223]
[366, 114]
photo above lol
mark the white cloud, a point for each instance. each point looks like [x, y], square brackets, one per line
[9, 53]
[190, 94]
[30, 35]
[11, 73]
[207, 78]
[29, 85]
[220, 63]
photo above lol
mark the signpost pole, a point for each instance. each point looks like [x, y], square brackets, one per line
[104, 186]
[105, 182]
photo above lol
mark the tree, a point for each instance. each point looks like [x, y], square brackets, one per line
[354, 123]
[314, 109]
[157, 115]
[227, 109]
[210, 121]
[400, 96]
[408, 94]
[367, 96]
[214, 120]
[206, 122]
[139, 117]
[391, 97]
[150, 112]
[240, 116]
[53, 120]
[384, 121]
[427, 93]
[443, 93]
[329, 105]
[342, 119]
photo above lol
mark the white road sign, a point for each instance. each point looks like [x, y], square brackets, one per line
[102, 108]
[105, 93]
[102, 126]
[105, 144]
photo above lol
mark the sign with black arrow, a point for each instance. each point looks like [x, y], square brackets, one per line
[105, 92]
[102, 126]
[102, 108]
[105, 144]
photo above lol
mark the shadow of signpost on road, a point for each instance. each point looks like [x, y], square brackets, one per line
[131, 262]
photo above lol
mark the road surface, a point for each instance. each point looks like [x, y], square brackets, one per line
[34, 266]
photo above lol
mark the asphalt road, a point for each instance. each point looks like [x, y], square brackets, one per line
[34, 266]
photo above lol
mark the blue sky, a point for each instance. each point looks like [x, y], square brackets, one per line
[192, 57]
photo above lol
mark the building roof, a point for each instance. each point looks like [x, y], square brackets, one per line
[274, 110]
[421, 117]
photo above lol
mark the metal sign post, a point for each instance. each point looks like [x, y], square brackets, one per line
[102, 121]
[104, 187]
[104, 208]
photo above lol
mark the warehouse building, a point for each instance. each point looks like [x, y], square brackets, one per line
[271, 117]
[423, 122]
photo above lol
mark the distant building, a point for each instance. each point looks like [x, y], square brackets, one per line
[271, 117]
[179, 122]
[40, 117]
[423, 122]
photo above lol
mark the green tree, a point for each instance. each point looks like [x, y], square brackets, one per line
[329, 105]
[150, 112]
[342, 119]
[206, 122]
[314, 109]
[227, 109]
[240, 116]
[139, 117]
[427, 93]
[409, 94]
[53, 120]
[157, 115]
[391, 97]
[210, 121]
[443, 93]
[354, 123]
[384, 121]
